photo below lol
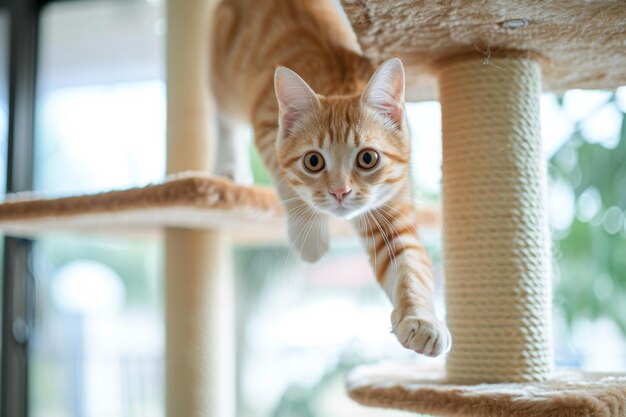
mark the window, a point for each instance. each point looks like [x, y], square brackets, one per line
[101, 96]
[98, 344]
[100, 125]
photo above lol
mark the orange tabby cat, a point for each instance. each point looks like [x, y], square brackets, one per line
[337, 144]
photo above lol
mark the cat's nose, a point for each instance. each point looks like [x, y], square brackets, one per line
[340, 193]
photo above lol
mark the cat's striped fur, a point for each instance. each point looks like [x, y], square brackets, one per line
[317, 137]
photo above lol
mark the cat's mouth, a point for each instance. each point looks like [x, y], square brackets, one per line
[338, 210]
[343, 212]
[346, 212]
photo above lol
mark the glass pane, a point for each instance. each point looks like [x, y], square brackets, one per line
[101, 99]
[98, 344]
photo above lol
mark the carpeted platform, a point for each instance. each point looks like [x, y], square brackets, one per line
[187, 200]
[421, 388]
[582, 44]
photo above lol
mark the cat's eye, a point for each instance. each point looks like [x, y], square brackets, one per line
[314, 162]
[367, 159]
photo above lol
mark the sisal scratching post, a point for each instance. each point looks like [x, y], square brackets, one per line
[496, 234]
[198, 289]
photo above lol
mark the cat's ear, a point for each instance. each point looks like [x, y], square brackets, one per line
[385, 90]
[296, 100]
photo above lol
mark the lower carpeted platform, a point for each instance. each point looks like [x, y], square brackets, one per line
[421, 388]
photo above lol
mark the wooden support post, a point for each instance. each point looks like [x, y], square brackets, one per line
[198, 288]
[497, 246]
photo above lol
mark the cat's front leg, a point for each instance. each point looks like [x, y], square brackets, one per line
[413, 318]
[307, 228]
[403, 269]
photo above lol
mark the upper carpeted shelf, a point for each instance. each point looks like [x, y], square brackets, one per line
[580, 43]
[188, 200]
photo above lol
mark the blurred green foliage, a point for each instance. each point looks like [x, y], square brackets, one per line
[261, 175]
[591, 253]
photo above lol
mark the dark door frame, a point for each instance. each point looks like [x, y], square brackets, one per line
[17, 282]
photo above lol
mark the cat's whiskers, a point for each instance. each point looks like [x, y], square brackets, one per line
[295, 240]
[420, 202]
[394, 233]
[311, 224]
[384, 236]
[393, 228]
[390, 249]
[299, 217]
[319, 232]
[295, 211]
[371, 230]
[408, 221]
[288, 200]
[281, 230]
[308, 221]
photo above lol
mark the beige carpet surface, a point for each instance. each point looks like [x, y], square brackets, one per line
[582, 44]
[187, 200]
[421, 388]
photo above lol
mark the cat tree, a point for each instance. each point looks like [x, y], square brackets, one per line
[487, 59]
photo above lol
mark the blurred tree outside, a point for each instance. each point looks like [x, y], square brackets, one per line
[591, 252]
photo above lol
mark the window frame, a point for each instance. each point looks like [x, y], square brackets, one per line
[17, 280]
[18, 283]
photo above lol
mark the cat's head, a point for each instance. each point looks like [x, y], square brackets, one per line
[343, 154]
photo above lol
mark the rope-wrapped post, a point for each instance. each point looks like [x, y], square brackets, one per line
[496, 240]
[199, 311]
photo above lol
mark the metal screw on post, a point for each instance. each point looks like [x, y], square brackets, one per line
[514, 23]
[21, 331]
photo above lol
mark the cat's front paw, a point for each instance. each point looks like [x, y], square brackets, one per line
[423, 333]
[310, 241]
